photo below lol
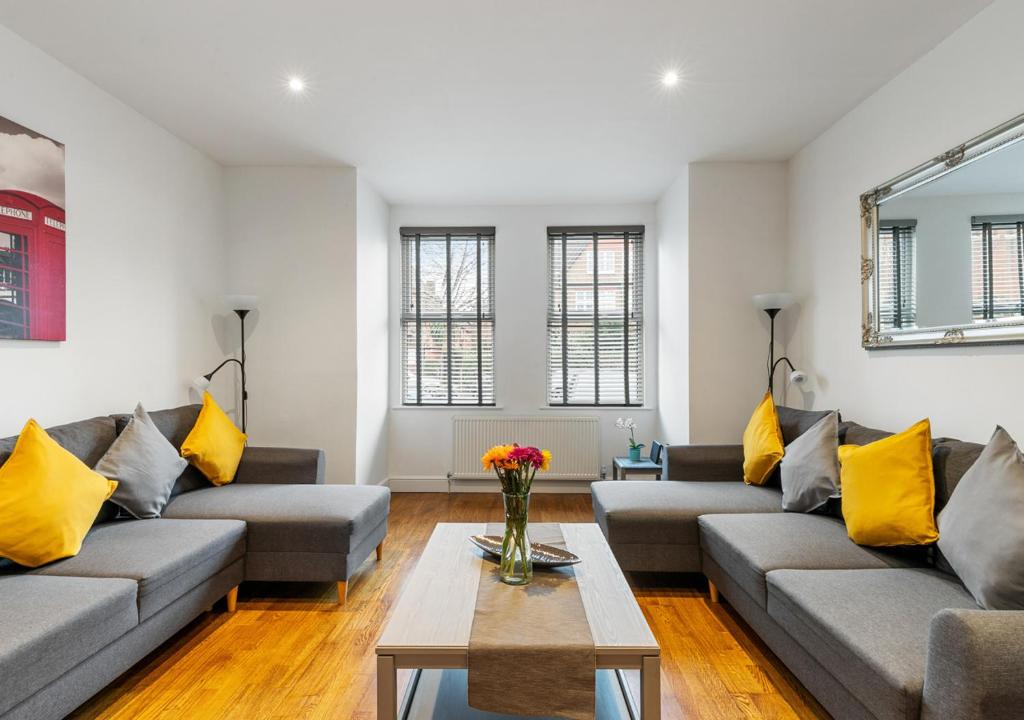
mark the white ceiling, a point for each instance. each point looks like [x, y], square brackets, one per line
[481, 101]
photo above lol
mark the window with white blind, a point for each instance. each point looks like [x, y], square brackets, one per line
[896, 275]
[595, 348]
[447, 316]
[997, 267]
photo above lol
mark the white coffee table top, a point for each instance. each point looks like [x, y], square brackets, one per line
[434, 614]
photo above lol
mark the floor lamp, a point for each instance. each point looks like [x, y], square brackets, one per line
[772, 304]
[241, 305]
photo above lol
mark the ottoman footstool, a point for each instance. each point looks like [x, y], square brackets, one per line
[301, 533]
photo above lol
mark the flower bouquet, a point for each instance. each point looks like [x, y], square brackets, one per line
[516, 467]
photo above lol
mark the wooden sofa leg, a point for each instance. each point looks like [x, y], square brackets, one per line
[380, 551]
[232, 598]
[712, 592]
[342, 592]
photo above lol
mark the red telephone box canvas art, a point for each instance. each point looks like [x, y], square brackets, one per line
[32, 250]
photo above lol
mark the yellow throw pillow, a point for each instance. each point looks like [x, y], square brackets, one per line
[762, 443]
[48, 500]
[889, 489]
[214, 445]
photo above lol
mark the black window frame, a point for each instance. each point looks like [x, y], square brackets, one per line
[558, 319]
[902, 313]
[982, 229]
[415, 236]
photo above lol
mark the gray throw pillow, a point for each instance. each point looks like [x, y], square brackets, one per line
[810, 467]
[981, 529]
[145, 466]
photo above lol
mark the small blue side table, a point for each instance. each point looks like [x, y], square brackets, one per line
[624, 466]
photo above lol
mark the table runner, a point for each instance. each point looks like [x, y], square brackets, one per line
[530, 649]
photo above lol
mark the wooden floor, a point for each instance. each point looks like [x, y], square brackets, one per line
[291, 652]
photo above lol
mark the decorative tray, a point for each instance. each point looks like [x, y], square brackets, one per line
[541, 554]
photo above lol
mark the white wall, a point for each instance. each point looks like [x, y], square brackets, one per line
[421, 438]
[737, 248]
[145, 254]
[372, 322]
[956, 92]
[673, 219]
[292, 242]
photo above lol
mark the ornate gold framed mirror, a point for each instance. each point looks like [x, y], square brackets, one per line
[942, 248]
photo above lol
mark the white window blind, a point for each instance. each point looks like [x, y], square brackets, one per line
[896, 274]
[447, 316]
[997, 267]
[595, 349]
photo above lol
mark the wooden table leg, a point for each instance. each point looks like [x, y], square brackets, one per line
[615, 470]
[387, 688]
[650, 688]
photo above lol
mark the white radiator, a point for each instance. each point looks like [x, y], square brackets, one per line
[575, 443]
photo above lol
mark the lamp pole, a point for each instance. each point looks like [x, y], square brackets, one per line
[771, 312]
[245, 392]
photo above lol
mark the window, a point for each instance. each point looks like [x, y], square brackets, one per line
[13, 286]
[896, 277]
[595, 350]
[605, 262]
[997, 267]
[448, 316]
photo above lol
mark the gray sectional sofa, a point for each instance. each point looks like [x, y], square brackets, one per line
[872, 634]
[69, 628]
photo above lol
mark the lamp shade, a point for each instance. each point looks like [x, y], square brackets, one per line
[773, 301]
[201, 383]
[241, 302]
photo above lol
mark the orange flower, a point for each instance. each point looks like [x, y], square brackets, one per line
[497, 457]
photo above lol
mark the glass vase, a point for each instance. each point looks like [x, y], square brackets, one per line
[516, 565]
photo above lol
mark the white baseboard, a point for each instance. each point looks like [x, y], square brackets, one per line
[418, 484]
[443, 485]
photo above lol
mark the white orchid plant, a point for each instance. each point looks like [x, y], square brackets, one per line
[629, 426]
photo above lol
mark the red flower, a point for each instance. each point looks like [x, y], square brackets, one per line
[526, 456]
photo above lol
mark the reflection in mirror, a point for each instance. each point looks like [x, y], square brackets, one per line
[949, 253]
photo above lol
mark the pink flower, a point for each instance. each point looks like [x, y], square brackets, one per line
[526, 456]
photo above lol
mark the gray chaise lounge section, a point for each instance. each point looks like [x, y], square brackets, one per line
[873, 634]
[70, 628]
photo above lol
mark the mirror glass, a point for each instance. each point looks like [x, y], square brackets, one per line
[947, 253]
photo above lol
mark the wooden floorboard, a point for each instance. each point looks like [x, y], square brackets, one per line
[290, 651]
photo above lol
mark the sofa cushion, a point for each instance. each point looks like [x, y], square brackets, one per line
[48, 500]
[214, 445]
[951, 459]
[145, 466]
[982, 527]
[794, 422]
[850, 433]
[867, 628]
[748, 547]
[166, 557]
[665, 513]
[175, 424]
[48, 625]
[809, 472]
[888, 489]
[292, 518]
[762, 443]
[87, 440]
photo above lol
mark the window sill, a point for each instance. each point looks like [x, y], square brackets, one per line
[591, 408]
[472, 408]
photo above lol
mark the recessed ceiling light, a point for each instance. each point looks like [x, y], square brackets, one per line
[296, 84]
[670, 78]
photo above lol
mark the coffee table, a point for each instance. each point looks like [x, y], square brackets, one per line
[431, 622]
